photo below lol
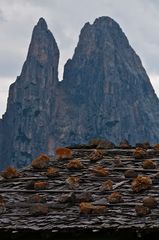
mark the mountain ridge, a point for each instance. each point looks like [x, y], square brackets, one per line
[105, 93]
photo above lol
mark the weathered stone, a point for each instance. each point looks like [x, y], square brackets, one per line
[38, 209]
[84, 197]
[40, 185]
[140, 153]
[150, 202]
[95, 155]
[40, 162]
[142, 210]
[68, 198]
[106, 186]
[130, 173]
[10, 172]
[115, 197]
[141, 183]
[52, 172]
[149, 164]
[36, 198]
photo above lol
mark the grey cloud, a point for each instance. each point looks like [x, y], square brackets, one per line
[2, 18]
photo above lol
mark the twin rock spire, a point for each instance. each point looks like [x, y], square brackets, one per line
[105, 93]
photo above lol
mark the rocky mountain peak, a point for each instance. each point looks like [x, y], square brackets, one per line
[105, 93]
[43, 47]
[41, 24]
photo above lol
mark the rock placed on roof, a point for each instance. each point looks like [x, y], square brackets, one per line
[100, 171]
[140, 153]
[130, 173]
[40, 185]
[10, 172]
[63, 153]
[84, 197]
[142, 210]
[40, 162]
[150, 202]
[38, 209]
[115, 197]
[149, 164]
[117, 161]
[52, 172]
[105, 144]
[73, 181]
[96, 155]
[156, 147]
[36, 198]
[75, 164]
[145, 145]
[88, 208]
[106, 186]
[141, 183]
[67, 198]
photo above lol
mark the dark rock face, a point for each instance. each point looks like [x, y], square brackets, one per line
[26, 123]
[105, 93]
[109, 87]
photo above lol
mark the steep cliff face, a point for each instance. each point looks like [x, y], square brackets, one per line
[110, 93]
[26, 122]
[105, 93]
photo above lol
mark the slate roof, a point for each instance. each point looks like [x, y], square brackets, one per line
[17, 215]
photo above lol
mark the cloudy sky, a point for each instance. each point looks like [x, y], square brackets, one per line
[139, 20]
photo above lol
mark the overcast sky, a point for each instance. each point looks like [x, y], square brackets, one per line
[139, 19]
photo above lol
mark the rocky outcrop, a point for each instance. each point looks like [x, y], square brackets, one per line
[105, 93]
[110, 95]
[26, 123]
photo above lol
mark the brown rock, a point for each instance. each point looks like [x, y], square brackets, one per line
[40, 185]
[156, 147]
[105, 144]
[40, 162]
[149, 202]
[96, 155]
[117, 161]
[140, 153]
[141, 183]
[36, 198]
[149, 164]
[142, 210]
[115, 197]
[88, 208]
[63, 153]
[100, 171]
[84, 197]
[10, 172]
[75, 164]
[73, 181]
[30, 185]
[130, 173]
[145, 145]
[52, 172]
[38, 209]
[67, 198]
[106, 186]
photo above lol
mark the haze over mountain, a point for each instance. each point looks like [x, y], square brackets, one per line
[105, 93]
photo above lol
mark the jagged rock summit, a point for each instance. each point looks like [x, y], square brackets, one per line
[105, 93]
